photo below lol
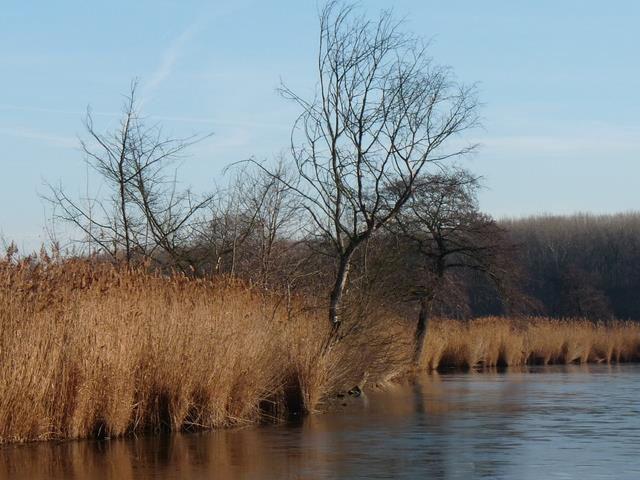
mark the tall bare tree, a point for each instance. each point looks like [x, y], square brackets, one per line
[382, 115]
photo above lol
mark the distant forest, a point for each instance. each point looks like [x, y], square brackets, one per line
[572, 266]
[582, 265]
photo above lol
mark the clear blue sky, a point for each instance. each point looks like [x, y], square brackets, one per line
[559, 81]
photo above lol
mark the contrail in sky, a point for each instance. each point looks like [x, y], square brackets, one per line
[169, 58]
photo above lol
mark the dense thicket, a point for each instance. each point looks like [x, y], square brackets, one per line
[442, 256]
[580, 265]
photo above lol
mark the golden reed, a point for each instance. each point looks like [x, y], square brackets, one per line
[497, 341]
[91, 349]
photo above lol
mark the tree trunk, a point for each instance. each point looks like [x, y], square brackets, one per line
[122, 179]
[426, 302]
[338, 289]
[421, 328]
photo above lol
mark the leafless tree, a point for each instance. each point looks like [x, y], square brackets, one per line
[144, 213]
[382, 115]
[250, 207]
[444, 228]
[275, 220]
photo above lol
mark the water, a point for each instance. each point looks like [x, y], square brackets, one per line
[544, 423]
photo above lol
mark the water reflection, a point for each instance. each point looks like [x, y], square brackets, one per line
[571, 422]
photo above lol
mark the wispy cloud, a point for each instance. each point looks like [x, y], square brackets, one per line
[46, 137]
[169, 118]
[586, 143]
[56, 111]
[169, 59]
[223, 122]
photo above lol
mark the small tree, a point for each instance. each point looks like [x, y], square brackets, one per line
[382, 115]
[228, 223]
[275, 220]
[443, 229]
[244, 222]
[143, 212]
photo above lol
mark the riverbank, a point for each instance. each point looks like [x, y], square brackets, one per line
[508, 342]
[91, 350]
[526, 423]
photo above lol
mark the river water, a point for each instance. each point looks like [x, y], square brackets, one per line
[542, 423]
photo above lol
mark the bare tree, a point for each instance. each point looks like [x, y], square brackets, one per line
[144, 213]
[235, 215]
[382, 115]
[275, 214]
[445, 230]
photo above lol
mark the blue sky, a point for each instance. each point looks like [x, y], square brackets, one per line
[558, 81]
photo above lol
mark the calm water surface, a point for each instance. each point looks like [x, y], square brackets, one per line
[546, 423]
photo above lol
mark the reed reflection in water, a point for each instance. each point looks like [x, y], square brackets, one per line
[561, 422]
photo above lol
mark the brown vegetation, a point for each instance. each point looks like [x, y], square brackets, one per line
[90, 349]
[504, 342]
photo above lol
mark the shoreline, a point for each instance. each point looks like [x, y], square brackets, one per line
[338, 403]
[93, 350]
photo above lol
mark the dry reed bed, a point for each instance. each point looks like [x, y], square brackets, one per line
[89, 349]
[95, 350]
[495, 342]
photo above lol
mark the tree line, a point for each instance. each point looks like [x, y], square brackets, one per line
[382, 119]
[367, 210]
[580, 265]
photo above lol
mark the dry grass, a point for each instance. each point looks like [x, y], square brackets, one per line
[95, 350]
[89, 349]
[494, 342]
